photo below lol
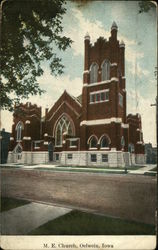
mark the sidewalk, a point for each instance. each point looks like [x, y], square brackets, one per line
[142, 170]
[21, 220]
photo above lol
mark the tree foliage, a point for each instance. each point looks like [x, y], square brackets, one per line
[145, 6]
[31, 33]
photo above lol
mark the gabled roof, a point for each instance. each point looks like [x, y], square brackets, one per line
[75, 98]
[79, 98]
[65, 99]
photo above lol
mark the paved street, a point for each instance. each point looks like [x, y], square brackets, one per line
[21, 220]
[126, 196]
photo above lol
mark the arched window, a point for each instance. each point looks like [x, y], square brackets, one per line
[105, 74]
[93, 142]
[104, 143]
[19, 128]
[94, 73]
[63, 126]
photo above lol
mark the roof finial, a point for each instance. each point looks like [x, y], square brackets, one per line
[122, 44]
[114, 26]
[87, 36]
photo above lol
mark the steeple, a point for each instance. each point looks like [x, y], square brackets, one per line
[86, 53]
[114, 29]
[122, 44]
[87, 36]
[114, 26]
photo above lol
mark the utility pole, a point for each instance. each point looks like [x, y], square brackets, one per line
[156, 102]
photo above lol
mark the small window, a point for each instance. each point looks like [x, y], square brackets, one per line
[102, 96]
[97, 98]
[57, 157]
[73, 143]
[92, 98]
[69, 156]
[36, 144]
[93, 157]
[107, 95]
[120, 100]
[104, 158]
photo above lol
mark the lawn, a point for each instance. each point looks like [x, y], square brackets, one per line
[82, 170]
[102, 167]
[150, 173]
[4, 167]
[93, 169]
[83, 223]
[10, 203]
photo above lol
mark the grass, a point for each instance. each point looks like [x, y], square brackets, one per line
[10, 203]
[82, 223]
[4, 167]
[101, 167]
[81, 170]
[150, 173]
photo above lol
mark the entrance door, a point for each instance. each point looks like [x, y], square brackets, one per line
[18, 153]
[50, 151]
[19, 157]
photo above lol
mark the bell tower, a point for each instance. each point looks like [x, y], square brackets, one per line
[104, 94]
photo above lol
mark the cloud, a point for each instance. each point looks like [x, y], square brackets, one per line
[138, 104]
[95, 30]
[77, 33]
[132, 55]
[54, 88]
[6, 120]
[136, 69]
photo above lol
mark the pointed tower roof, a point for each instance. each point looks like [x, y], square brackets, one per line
[114, 26]
[122, 44]
[87, 36]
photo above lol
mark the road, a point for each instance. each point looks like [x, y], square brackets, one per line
[130, 197]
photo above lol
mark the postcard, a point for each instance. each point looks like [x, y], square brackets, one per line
[78, 124]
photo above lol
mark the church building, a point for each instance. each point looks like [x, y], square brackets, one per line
[92, 129]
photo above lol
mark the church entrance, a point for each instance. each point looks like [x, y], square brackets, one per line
[18, 152]
[50, 151]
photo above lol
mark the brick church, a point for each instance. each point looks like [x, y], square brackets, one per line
[91, 129]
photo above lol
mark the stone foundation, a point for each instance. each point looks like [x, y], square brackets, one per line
[80, 158]
[84, 158]
[28, 157]
[140, 158]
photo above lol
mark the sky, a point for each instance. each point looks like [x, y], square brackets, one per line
[139, 33]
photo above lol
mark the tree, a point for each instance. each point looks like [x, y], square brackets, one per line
[31, 33]
[145, 6]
